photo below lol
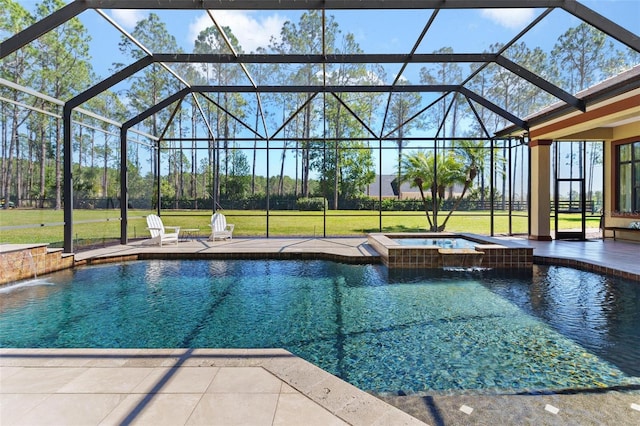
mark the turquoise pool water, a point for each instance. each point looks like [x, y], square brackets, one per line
[383, 331]
[455, 242]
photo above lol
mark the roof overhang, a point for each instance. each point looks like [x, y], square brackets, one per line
[613, 103]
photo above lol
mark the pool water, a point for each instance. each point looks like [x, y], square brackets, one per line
[384, 332]
[454, 242]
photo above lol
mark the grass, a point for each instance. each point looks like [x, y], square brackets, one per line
[99, 226]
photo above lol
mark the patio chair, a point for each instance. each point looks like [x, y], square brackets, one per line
[158, 231]
[220, 229]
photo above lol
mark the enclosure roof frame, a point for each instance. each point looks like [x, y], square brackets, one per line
[73, 9]
[76, 7]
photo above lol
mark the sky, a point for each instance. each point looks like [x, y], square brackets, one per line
[389, 31]
[467, 31]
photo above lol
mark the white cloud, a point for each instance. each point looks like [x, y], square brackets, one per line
[250, 32]
[402, 79]
[509, 18]
[128, 18]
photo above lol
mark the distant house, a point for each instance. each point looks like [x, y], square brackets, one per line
[388, 188]
[406, 191]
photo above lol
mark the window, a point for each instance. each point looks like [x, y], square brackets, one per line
[628, 184]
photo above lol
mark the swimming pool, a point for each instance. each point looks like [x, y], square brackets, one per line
[381, 330]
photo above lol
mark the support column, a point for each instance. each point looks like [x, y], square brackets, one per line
[540, 209]
[67, 158]
[124, 187]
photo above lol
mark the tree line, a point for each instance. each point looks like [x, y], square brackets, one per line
[325, 137]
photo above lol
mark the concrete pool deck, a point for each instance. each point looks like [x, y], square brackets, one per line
[252, 387]
[606, 256]
[270, 386]
[179, 387]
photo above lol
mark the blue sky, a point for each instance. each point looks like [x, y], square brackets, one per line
[467, 31]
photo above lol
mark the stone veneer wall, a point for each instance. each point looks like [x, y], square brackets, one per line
[19, 262]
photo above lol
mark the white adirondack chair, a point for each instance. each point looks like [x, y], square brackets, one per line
[220, 229]
[158, 231]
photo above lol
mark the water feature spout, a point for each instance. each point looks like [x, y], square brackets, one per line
[28, 257]
[460, 258]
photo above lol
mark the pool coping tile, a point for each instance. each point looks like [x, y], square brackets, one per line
[265, 374]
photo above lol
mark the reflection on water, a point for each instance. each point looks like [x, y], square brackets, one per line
[382, 330]
[13, 296]
[599, 312]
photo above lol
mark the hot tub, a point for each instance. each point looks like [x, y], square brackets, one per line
[452, 243]
[449, 250]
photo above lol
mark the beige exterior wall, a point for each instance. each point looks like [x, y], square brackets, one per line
[540, 190]
[616, 119]
[627, 132]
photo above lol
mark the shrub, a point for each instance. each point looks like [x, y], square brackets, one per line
[358, 202]
[312, 204]
[391, 204]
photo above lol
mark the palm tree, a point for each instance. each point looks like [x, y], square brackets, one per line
[418, 168]
[425, 171]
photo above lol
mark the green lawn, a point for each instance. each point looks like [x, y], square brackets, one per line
[102, 225]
